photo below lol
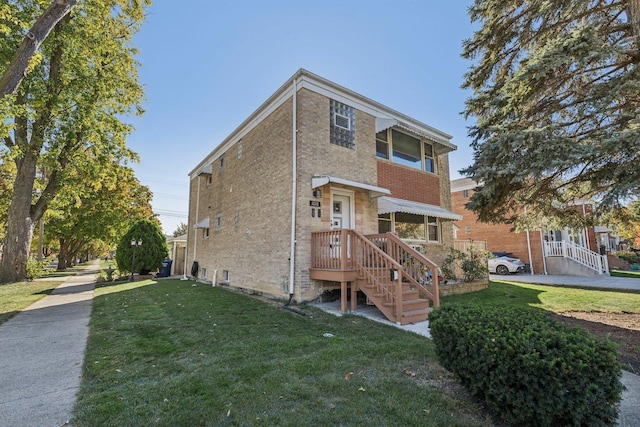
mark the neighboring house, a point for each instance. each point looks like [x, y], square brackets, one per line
[177, 252]
[282, 206]
[575, 252]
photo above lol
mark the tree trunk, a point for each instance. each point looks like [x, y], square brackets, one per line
[15, 72]
[633, 12]
[63, 255]
[20, 224]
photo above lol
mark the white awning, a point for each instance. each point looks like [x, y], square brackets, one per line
[206, 170]
[319, 181]
[383, 123]
[203, 223]
[598, 229]
[389, 204]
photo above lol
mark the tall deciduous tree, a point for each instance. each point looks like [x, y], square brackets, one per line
[96, 210]
[17, 68]
[556, 97]
[68, 109]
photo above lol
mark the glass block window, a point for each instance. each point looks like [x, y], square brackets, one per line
[343, 124]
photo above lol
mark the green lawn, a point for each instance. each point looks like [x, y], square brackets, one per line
[620, 273]
[172, 353]
[551, 298]
[15, 297]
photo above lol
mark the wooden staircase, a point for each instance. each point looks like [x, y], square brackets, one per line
[382, 292]
[393, 276]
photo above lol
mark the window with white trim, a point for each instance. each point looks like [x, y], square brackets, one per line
[465, 194]
[467, 229]
[382, 144]
[240, 149]
[342, 129]
[406, 150]
[411, 227]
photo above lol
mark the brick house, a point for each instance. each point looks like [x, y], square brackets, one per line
[573, 252]
[282, 206]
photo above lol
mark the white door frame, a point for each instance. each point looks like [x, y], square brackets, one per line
[352, 204]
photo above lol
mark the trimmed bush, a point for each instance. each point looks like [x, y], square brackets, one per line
[529, 367]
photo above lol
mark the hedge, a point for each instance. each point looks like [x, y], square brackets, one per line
[530, 368]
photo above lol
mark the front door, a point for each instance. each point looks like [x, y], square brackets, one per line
[341, 212]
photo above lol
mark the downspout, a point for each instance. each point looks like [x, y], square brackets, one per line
[586, 232]
[294, 196]
[294, 191]
[529, 247]
[529, 250]
[544, 257]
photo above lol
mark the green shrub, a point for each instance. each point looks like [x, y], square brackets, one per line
[530, 368]
[472, 263]
[35, 268]
[629, 256]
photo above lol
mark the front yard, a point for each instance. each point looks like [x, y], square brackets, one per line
[175, 353]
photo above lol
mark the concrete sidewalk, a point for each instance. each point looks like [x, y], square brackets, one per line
[42, 353]
[598, 282]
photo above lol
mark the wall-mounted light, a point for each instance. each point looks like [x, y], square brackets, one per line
[317, 193]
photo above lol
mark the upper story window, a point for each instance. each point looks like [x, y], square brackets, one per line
[240, 149]
[221, 163]
[382, 145]
[342, 124]
[465, 194]
[406, 150]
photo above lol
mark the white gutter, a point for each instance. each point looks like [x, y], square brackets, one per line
[294, 192]
[195, 230]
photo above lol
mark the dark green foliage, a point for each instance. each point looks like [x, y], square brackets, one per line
[149, 255]
[530, 368]
[556, 95]
[628, 256]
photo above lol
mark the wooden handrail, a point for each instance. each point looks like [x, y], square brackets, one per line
[416, 266]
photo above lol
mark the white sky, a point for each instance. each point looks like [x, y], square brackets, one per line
[208, 64]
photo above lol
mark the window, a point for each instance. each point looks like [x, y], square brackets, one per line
[341, 121]
[382, 145]
[226, 276]
[240, 149]
[342, 129]
[236, 219]
[467, 229]
[218, 221]
[204, 272]
[406, 149]
[209, 179]
[433, 230]
[410, 226]
[221, 163]
[465, 194]
[205, 233]
[429, 164]
[384, 223]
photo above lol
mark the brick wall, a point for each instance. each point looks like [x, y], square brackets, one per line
[499, 237]
[423, 187]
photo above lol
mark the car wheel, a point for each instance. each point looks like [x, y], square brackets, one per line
[501, 269]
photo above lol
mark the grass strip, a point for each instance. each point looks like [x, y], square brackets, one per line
[15, 297]
[558, 299]
[173, 353]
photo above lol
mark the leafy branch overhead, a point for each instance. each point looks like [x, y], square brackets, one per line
[556, 96]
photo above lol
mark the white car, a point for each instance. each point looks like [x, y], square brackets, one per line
[505, 264]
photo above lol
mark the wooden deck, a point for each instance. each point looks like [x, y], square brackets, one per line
[390, 273]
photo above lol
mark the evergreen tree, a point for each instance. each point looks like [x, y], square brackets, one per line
[556, 97]
[150, 250]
